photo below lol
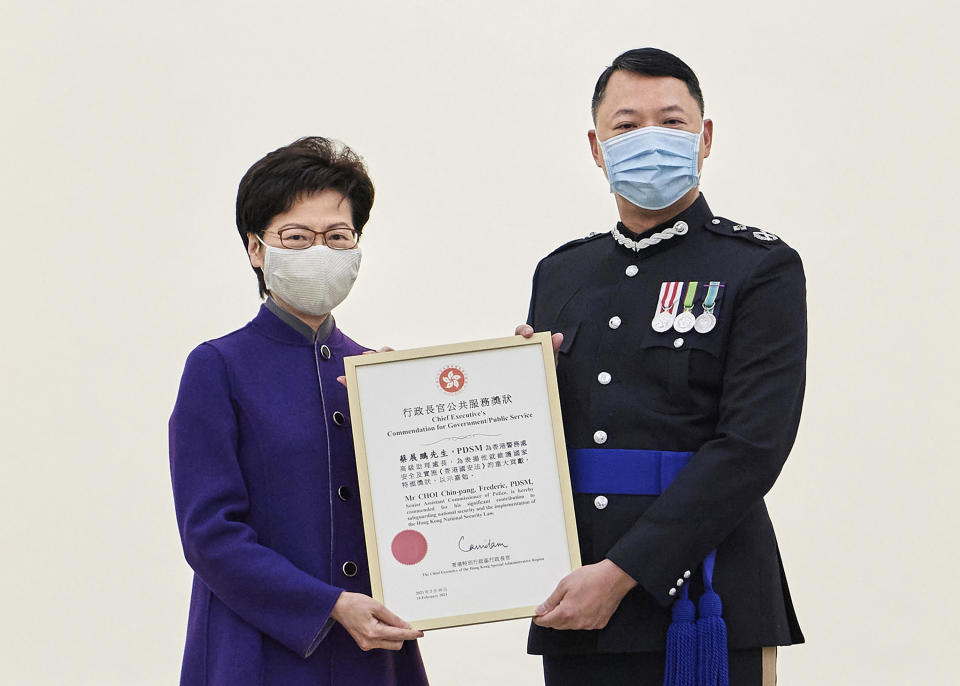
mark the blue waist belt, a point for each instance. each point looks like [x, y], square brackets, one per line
[624, 472]
[696, 648]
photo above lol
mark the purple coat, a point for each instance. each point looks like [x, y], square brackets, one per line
[265, 487]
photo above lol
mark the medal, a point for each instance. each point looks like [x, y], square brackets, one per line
[685, 320]
[662, 322]
[667, 306]
[706, 321]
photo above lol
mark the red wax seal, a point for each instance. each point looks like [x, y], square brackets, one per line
[409, 547]
[452, 379]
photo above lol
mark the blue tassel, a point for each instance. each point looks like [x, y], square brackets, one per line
[681, 668]
[712, 667]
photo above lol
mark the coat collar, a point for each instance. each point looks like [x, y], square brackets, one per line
[318, 336]
[695, 216]
[278, 327]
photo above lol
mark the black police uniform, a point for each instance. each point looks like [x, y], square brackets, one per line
[731, 396]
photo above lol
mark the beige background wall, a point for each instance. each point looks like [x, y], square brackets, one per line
[125, 127]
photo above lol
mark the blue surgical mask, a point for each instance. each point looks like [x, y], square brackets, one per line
[652, 167]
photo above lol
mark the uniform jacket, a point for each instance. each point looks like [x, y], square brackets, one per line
[732, 396]
[265, 488]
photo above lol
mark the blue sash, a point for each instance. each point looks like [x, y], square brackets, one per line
[624, 472]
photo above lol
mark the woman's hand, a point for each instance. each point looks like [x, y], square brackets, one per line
[384, 349]
[371, 624]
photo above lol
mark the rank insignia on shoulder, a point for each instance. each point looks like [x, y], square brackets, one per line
[726, 227]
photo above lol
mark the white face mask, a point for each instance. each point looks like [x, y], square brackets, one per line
[314, 280]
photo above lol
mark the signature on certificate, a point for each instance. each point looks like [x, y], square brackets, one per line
[489, 545]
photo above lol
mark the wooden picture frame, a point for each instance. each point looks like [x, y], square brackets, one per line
[463, 476]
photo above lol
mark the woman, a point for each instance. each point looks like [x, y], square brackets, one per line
[261, 452]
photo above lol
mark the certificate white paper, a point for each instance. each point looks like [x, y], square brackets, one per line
[464, 484]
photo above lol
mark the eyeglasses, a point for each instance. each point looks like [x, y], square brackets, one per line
[299, 238]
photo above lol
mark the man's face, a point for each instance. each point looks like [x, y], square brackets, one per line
[633, 101]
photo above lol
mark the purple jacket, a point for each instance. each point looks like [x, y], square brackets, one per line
[265, 487]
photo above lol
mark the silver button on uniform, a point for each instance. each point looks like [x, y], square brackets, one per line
[615, 322]
[714, 221]
[678, 343]
[600, 502]
[325, 352]
[600, 437]
[632, 270]
[350, 569]
[679, 583]
[686, 574]
[672, 592]
[604, 378]
[338, 418]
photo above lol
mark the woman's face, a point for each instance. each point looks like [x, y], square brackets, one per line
[319, 212]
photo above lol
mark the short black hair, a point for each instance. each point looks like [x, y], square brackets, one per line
[648, 62]
[285, 176]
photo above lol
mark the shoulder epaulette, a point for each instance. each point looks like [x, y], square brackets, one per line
[579, 241]
[726, 227]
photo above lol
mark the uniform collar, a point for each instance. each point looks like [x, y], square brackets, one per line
[695, 216]
[275, 322]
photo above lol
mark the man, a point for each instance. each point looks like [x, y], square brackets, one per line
[681, 371]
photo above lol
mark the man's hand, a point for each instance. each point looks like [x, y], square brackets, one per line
[586, 598]
[371, 624]
[526, 331]
[384, 349]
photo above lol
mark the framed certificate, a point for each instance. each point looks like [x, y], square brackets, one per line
[464, 484]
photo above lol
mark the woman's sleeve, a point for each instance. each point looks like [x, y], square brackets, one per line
[262, 586]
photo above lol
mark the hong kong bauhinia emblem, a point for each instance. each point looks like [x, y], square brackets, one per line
[452, 379]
